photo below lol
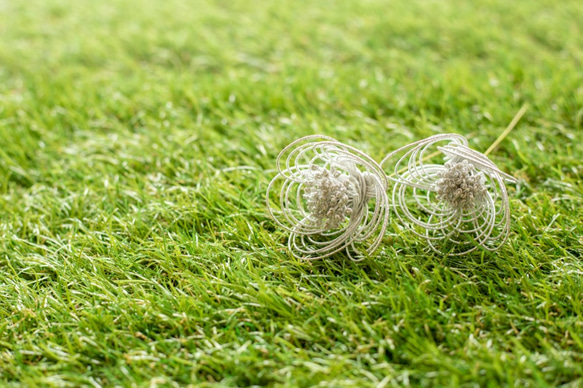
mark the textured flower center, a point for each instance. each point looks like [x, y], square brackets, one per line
[328, 195]
[460, 185]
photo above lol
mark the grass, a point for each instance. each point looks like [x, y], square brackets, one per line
[135, 250]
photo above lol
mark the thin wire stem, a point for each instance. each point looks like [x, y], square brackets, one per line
[508, 129]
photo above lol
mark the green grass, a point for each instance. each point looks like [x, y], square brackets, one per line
[133, 254]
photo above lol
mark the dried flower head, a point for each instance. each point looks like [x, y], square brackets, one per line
[461, 200]
[331, 197]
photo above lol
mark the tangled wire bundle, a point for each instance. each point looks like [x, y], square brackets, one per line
[331, 197]
[464, 200]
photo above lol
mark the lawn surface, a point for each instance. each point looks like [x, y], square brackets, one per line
[135, 252]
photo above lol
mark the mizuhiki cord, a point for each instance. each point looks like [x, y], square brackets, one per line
[331, 197]
[463, 201]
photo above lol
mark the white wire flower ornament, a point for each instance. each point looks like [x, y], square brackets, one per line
[463, 201]
[330, 197]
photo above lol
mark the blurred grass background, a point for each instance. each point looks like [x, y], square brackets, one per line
[131, 253]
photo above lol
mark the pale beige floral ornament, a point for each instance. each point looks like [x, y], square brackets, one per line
[330, 197]
[455, 194]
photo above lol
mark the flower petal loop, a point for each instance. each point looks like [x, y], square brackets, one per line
[331, 197]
